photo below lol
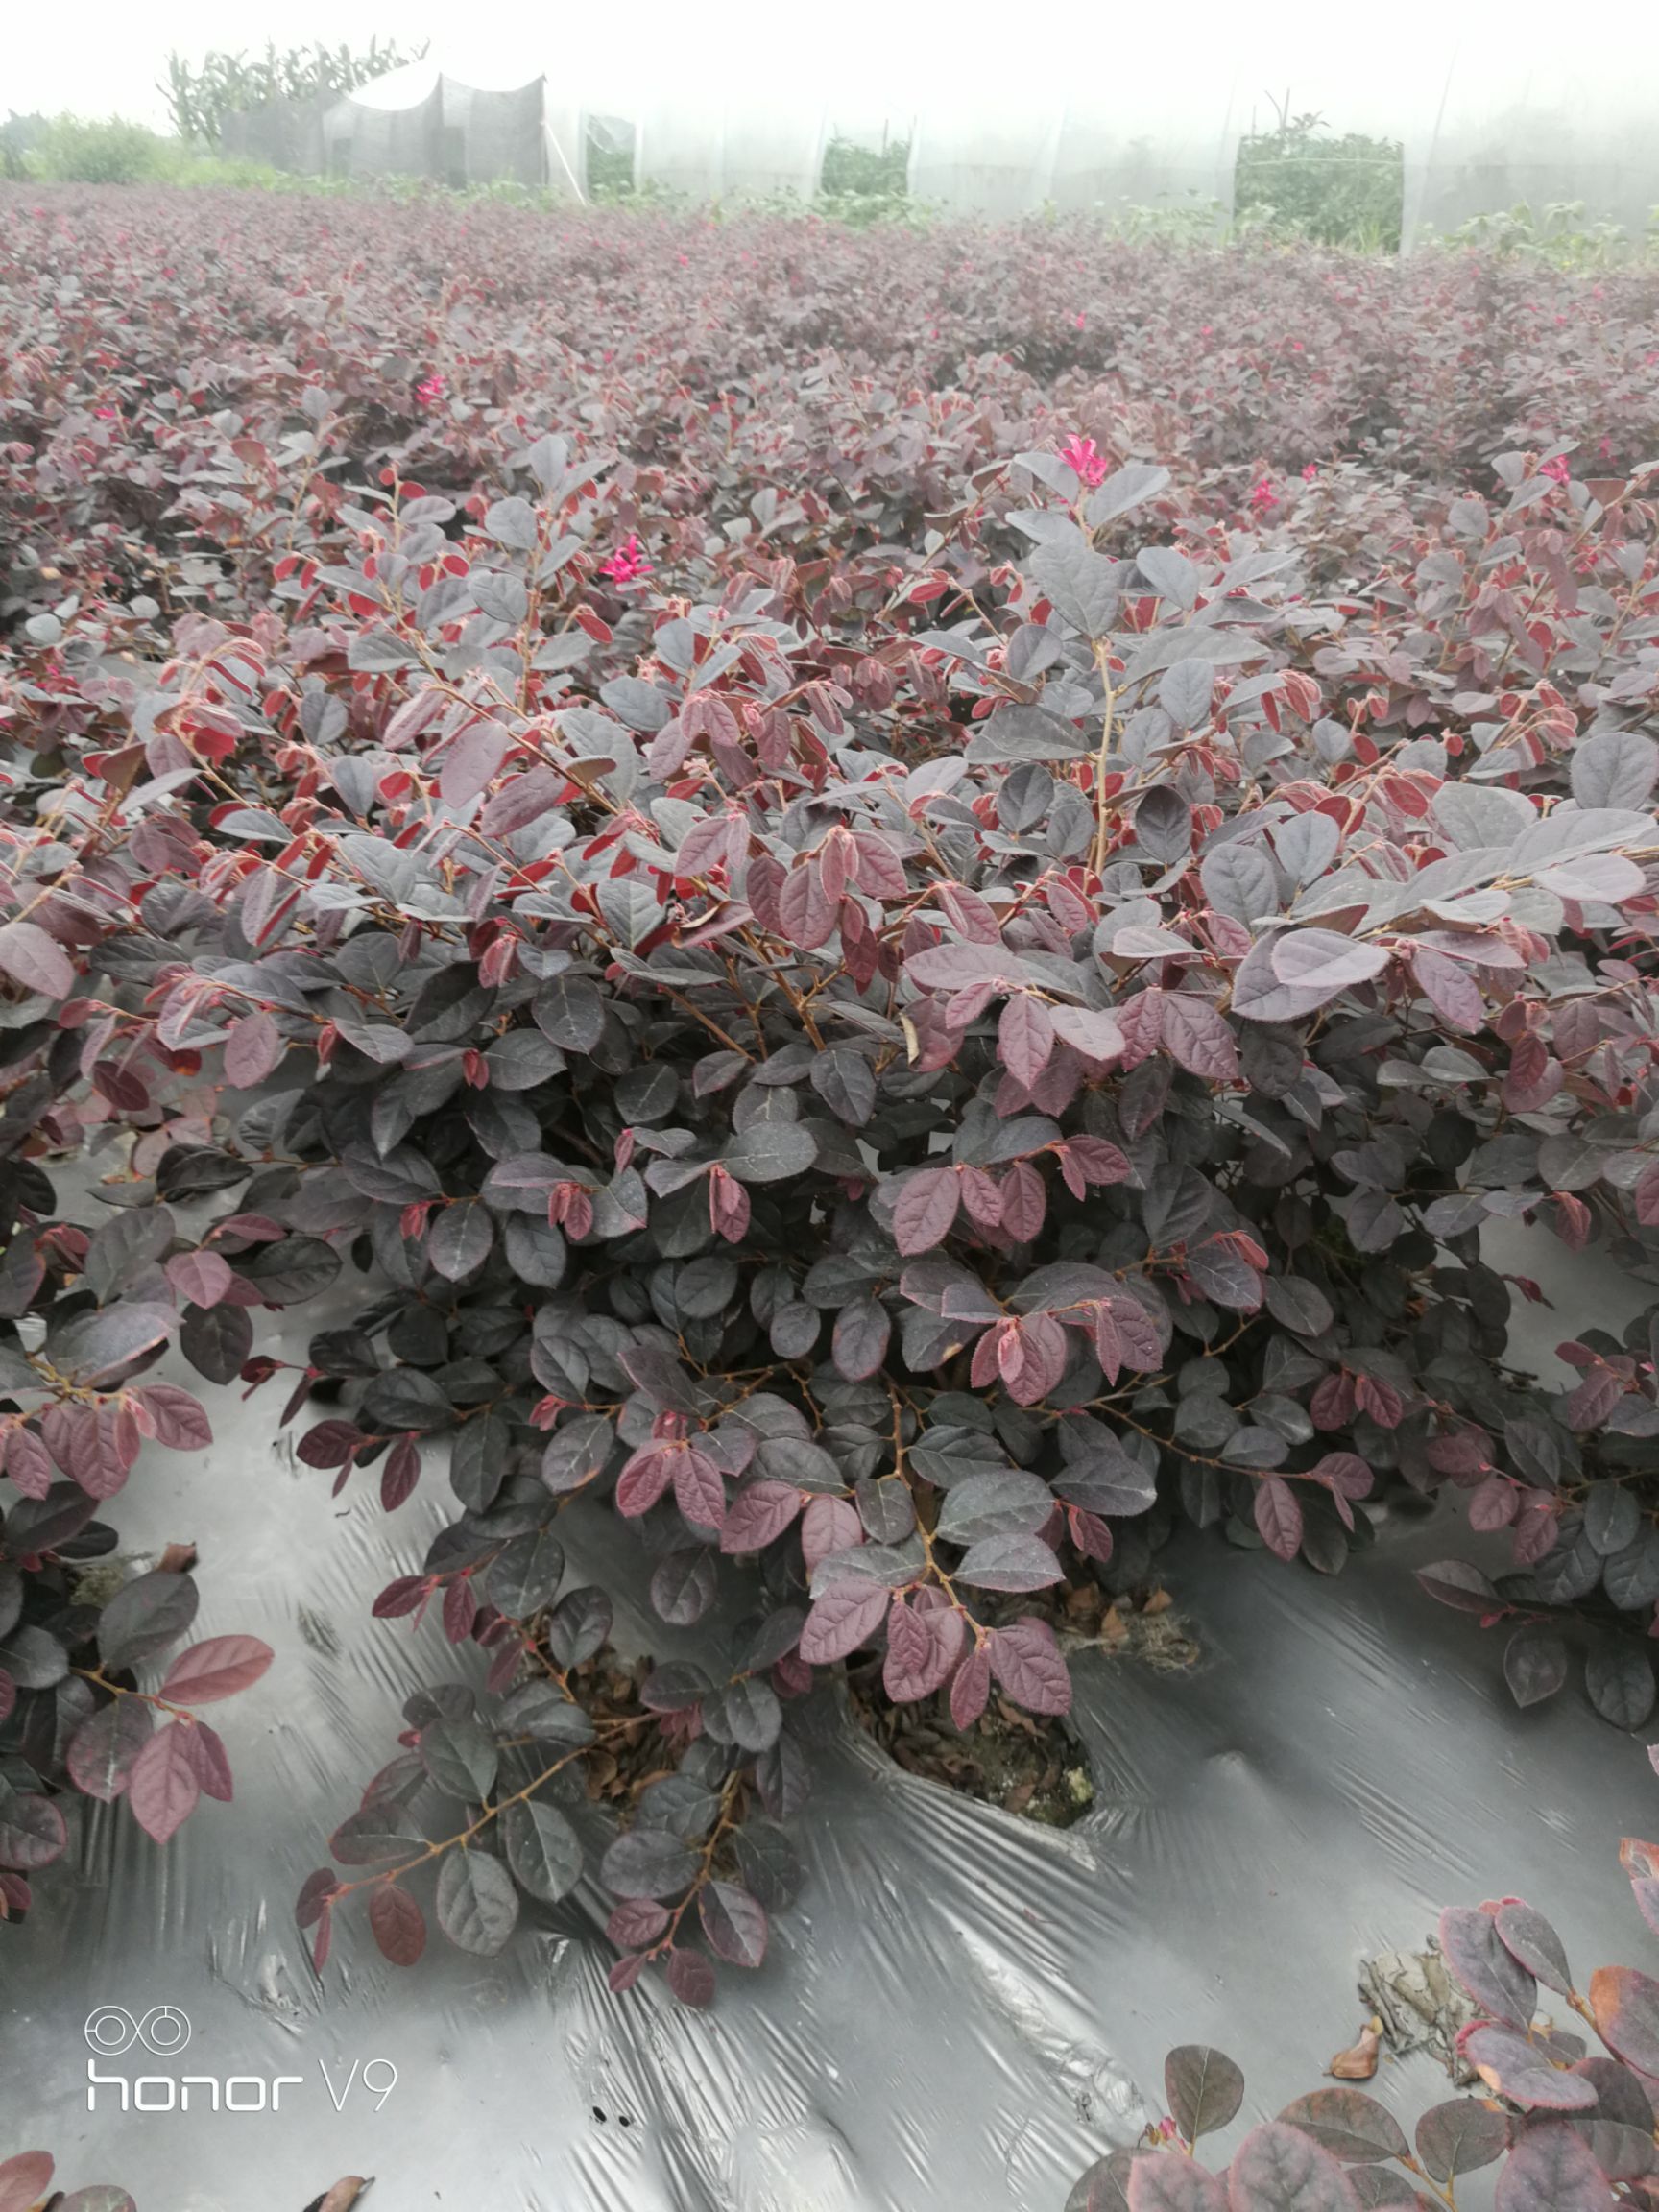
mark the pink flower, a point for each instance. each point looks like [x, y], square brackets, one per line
[1085, 459]
[430, 390]
[1263, 498]
[1078, 317]
[1605, 448]
[630, 563]
[104, 414]
[1310, 470]
[1557, 469]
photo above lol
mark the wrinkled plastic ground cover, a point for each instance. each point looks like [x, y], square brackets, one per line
[1342, 1762]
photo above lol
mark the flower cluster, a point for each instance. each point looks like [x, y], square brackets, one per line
[1088, 464]
[628, 564]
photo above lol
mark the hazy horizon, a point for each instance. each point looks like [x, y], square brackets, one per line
[868, 58]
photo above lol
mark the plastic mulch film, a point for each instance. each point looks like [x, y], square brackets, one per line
[954, 2014]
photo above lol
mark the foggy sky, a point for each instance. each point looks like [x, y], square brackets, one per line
[869, 58]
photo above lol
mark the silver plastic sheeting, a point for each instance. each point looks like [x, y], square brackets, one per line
[959, 2008]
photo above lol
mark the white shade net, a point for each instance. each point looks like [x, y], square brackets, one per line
[1106, 109]
[713, 149]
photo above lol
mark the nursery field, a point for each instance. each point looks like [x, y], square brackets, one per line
[799, 1030]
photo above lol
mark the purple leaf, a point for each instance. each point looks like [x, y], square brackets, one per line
[1533, 1943]
[1026, 1661]
[1024, 1039]
[859, 1344]
[1626, 2005]
[36, 960]
[163, 1786]
[842, 1617]
[253, 1048]
[1279, 2168]
[1550, 2169]
[1517, 2069]
[219, 1668]
[1198, 1037]
[923, 1646]
[1459, 2136]
[925, 1210]
[1169, 2181]
[691, 1978]
[734, 1922]
[1204, 2088]
[1009, 1563]
[102, 1749]
[1493, 1976]
[1278, 1515]
[1348, 2123]
[1319, 962]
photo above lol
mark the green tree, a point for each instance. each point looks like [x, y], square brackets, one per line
[1299, 180]
[200, 98]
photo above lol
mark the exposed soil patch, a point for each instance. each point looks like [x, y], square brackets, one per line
[1034, 1768]
[1142, 1625]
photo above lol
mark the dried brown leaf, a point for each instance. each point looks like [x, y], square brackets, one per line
[343, 2196]
[1359, 2062]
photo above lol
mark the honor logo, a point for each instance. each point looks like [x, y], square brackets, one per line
[166, 2032]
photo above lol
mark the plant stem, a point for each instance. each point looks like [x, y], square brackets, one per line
[1102, 662]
